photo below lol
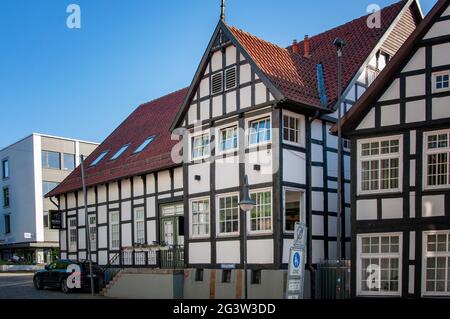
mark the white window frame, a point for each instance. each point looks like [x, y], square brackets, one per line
[380, 157]
[218, 232]
[426, 254]
[302, 206]
[247, 130]
[218, 138]
[191, 233]
[248, 214]
[139, 221]
[435, 75]
[379, 255]
[300, 129]
[192, 137]
[427, 152]
[5, 169]
[93, 231]
[111, 224]
[72, 227]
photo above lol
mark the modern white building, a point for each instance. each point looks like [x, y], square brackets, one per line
[30, 168]
[400, 133]
[255, 109]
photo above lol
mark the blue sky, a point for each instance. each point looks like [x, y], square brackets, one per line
[83, 83]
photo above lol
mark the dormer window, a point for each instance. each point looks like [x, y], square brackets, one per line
[99, 158]
[217, 83]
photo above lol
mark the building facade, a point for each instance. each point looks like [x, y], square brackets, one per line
[30, 169]
[400, 131]
[253, 109]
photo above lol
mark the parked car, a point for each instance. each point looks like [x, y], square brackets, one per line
[55, 275]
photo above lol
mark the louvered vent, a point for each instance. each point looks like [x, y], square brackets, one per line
[230, 78]
[217, 85]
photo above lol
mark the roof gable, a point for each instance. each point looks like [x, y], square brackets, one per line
[386, 83]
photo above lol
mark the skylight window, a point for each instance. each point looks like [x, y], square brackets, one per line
[145, 144]
[120, 152]
[99, 158]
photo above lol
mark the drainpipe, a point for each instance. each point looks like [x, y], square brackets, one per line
[309, 265]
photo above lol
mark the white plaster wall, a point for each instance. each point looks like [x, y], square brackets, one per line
[216, 61]
[150, 183]
[246, 97]
[417, 62]
[113, 192]
[204, 110]
[150, 202]
[366, 209]
[202, 185]
[294, 167]
[138, 186]
[200, 253]
[71, 202]
[164, 181]
[441, 54]
[317, 176]
[192, 114]
[102, 237]
[230, 55]
[151, 231]
[126, 235]
[390, 115]
[81, 239]
[178, 178]
[438, 29]
[440, 108]
[217, 106]
[231, 102]
[204, 87]
[228, 252]
[101, 192]
[318, 252]
[245, 74]
[317, 201]
[391, 208]
[126, 188]
[263, 158]
[415, 85]
[125, 211]
[317, 225]
[393, 92]
[227, 172]
[415, 111]
[368, 121]
[316, 130]
[260, 93]
[260, 251]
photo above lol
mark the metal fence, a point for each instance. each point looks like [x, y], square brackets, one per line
[333, 279]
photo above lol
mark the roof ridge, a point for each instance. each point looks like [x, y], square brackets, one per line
[162, 97]
[351, 22]
[256, 37]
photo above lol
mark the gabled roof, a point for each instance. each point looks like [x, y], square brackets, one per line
[351, 120]
[153, 118]
[295, 76]
[292, 77]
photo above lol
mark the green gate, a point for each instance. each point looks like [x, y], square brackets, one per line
[333, 279]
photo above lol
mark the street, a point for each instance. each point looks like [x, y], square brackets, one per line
[20, 286]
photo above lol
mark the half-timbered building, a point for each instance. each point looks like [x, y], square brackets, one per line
[400, 140]
[172, 173]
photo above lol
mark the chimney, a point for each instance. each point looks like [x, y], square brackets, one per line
[295, 48]
[307, 47]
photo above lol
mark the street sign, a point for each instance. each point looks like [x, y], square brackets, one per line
[227, 266]
[55, 219]
[296, 267]
[27, 235]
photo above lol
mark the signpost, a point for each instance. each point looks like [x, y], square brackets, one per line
[296, 269]
[55, 219]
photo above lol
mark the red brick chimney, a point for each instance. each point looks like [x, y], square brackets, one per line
[307, 47]
[295, 48]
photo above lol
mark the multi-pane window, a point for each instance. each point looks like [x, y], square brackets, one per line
[228, 139]
[93, 232]
[69, 162]
[7, 219]
[229, 214]
[437, 149]
[5, 169]
[139, 226]
[51, 160]
[200, 218]
[437, 263]
[291, 129]
[6, 201]
[380, 165]
[48, 187]
[99, 158]
[115, 230]
[260, 131]
[261, 215]
[200, 146]
[379, 264]
[73, 234]
[442, 81]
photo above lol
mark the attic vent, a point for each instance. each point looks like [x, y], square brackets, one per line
[217, 85]
[230, 78]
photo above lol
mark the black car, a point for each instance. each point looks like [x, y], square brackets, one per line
[56, 274]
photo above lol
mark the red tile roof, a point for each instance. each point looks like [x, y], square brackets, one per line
[153, 118]
[295, 76]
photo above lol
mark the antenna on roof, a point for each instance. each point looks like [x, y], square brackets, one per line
[222, 11]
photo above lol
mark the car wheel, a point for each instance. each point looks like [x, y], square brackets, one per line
[64, 288]
[37, 283]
